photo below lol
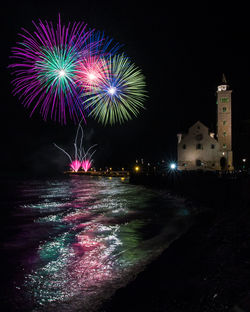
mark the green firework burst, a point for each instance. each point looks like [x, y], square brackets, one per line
[120, 95]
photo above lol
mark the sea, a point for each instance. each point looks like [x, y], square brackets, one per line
[68, 243]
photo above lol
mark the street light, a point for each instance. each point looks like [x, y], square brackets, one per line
[173, 166]
[244, 163]
[137, 168]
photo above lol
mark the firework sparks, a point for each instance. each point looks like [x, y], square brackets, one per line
[75, 165]
[86, 165]
[69, 70]
[120, 95]
[82, 159]
[91, 71]
[87, 158]
[44, 67]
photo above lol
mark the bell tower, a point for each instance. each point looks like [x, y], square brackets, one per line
[224, 124]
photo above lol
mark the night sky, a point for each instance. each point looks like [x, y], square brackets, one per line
[182, 55]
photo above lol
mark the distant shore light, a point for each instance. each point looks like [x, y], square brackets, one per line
[173, 166]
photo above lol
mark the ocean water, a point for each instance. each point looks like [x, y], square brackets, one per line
[68, 244]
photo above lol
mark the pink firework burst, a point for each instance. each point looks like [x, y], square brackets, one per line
[86, 164]
[75, 165]
[91, 71]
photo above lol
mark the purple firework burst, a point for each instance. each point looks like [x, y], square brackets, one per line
[44, 68]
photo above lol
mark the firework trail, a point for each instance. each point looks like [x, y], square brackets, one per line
[81, 158]
[84, 156]
[120, 94]
[87, 158]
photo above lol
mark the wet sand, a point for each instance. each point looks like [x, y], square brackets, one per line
[207, 269]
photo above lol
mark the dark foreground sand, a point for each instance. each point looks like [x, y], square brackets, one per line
[207, 269]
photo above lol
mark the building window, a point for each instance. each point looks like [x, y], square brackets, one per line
[184, 165]
[212, 146]
[198, 127]
[224, 109]
[213, 165]
[224, 100]
[199, 146]
[224, 145]
[224, 122]
[198, 162]
[224, 133]
[184, 146]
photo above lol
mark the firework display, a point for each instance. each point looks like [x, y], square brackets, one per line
[120, 94]
[86, 165]
[75, 165]
[45, 69]
[82, 159]
[91, 72]
[75, 72]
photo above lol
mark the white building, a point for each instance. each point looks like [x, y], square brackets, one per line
[201, 149]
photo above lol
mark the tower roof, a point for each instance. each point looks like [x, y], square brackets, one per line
[224, 80]
[223, 86]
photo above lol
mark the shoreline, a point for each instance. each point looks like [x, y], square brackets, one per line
[206, 269]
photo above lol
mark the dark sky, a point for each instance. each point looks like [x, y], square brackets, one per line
[182, 53]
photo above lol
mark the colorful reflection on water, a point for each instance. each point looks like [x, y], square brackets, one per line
[79, 239]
